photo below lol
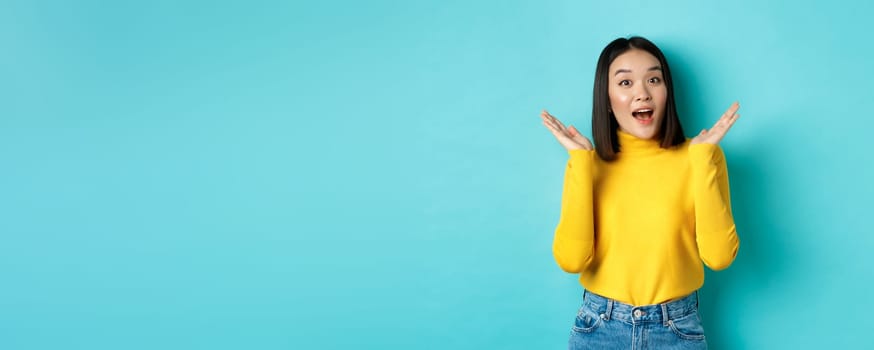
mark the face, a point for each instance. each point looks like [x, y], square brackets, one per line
[637, 93]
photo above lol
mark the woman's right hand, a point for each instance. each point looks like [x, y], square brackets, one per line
[569, 137]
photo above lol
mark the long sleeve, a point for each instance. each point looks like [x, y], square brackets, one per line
[715, 230]
[574, 241]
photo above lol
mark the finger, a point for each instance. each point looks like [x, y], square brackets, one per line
[730, 112]
[575, 133]
[546, 116]
[559, 134]
[727, 116]
[557, 123]
[563, 139]
[727, 123]
[551, 127]
[555, 120]
[718, 133]
[731, 122]
[581, 140]
[549, 121]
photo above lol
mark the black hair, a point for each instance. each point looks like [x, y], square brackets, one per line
[604, 123]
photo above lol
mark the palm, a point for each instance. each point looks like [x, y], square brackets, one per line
[569, 137]
[718, 131]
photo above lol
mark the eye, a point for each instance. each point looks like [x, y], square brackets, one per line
[655, 80]
[625, 82]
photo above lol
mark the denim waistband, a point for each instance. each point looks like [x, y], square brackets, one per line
[664, 312]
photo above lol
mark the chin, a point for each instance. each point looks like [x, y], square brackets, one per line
[649, 134]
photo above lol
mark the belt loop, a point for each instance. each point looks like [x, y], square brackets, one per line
[665, 316]
[696, 299]
[609, 308]
[584, 295]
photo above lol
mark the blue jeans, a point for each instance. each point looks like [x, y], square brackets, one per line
[604, 323]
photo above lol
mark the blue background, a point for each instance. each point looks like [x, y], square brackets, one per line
[327, 175]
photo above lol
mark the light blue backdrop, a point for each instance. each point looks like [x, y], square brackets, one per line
[374, 175]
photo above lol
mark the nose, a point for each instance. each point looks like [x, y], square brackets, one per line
[642, 93]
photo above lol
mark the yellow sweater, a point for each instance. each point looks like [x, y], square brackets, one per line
[638, 228]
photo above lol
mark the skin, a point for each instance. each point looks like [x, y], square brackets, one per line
[636, 81]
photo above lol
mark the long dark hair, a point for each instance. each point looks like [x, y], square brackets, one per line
[604, 123]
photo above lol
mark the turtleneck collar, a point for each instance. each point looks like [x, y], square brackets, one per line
[630, 144]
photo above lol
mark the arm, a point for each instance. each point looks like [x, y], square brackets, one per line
[574, 241]
[714, 225]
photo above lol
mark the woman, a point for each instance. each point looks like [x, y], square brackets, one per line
[642, 208]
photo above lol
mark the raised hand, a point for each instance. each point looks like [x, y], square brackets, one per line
[569, 137]
[718, 131]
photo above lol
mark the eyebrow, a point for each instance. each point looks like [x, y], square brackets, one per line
[658, 68]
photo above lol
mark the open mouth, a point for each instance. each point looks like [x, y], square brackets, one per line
[643, 114]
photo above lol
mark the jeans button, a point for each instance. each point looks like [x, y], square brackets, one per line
[638, 313]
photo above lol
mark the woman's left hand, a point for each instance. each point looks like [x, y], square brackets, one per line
[718, 131]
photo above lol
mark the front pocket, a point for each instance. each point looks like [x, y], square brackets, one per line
[586, 320]
[688, 327]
